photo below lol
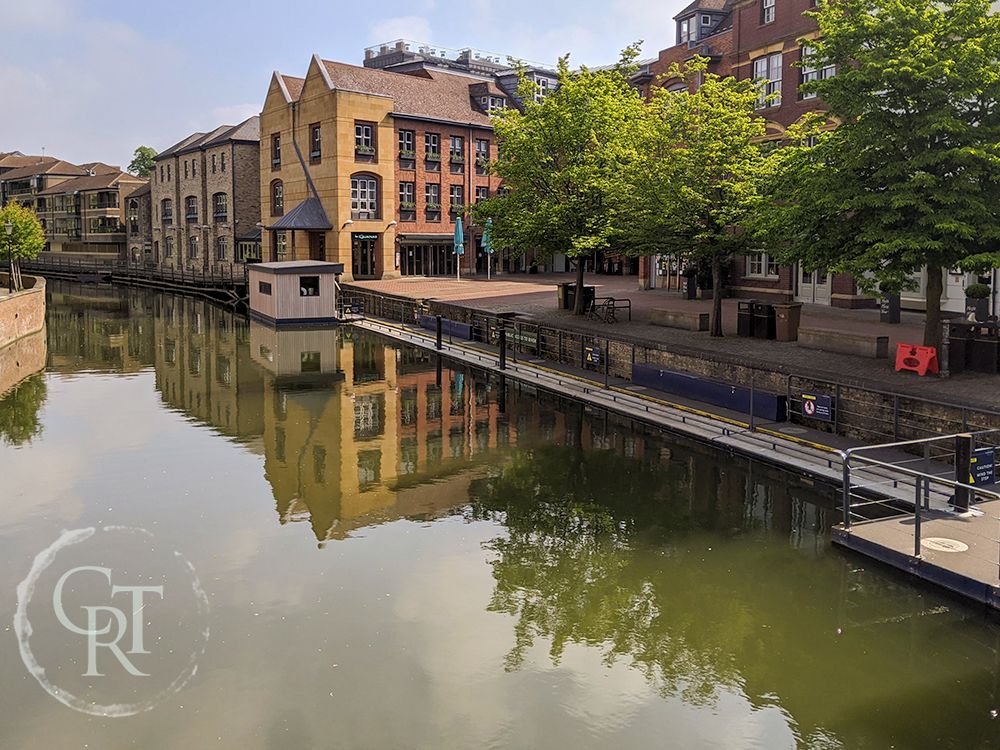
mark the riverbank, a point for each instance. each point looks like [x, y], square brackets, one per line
[21, 313]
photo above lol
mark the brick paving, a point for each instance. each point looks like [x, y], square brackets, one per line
[534, 296]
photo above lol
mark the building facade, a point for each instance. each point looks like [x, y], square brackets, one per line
[139, 227]
[372, 168]
[205, 201]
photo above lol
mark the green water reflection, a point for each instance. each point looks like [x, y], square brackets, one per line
[398, 557]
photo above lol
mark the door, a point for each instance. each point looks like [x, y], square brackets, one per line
[363, 257]
[814, 286]
[317, 246]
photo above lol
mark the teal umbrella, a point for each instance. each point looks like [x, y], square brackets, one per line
[487, 245]
[459, 246]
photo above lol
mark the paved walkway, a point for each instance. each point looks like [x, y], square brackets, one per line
[535, 296]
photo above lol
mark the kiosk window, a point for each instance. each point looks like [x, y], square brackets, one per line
[308, 286]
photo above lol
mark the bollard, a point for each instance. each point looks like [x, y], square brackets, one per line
[438, 332]
[503, 348]
[963, 467]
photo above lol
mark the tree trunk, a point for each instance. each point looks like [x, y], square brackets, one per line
[578, 308]
[715, 325]
[932, 323]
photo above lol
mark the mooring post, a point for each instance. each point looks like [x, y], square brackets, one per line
[503, 347]
[963, 464]
[439, 326]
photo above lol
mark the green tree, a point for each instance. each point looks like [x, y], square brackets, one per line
[910, 180]
[562, 163]
[27, 238]
[142, 161]
[699, 186]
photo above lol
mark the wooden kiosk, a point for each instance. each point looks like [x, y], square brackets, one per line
[295, 292]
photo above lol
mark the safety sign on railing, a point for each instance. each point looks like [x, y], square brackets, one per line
[983, 466]
[817, 406]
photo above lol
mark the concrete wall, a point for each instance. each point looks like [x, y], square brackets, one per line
[22, 313]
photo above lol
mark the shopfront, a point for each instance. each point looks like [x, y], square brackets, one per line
[365, 248]
[432, 259]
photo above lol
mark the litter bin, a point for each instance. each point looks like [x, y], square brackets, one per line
[889, 309]
[959, 340]
[763, 321]
[787, 316]
[984, 349]
[744, 318]
[589, 293]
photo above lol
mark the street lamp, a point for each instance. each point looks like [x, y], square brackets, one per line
[9, 228]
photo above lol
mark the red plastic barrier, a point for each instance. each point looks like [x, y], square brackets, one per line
[918, 359]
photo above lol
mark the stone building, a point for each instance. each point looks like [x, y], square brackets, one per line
[139, 227]
[371, 167]
[205, 200]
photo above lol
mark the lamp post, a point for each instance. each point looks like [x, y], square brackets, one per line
[9, 228]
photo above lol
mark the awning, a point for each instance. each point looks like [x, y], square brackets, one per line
[308, 215]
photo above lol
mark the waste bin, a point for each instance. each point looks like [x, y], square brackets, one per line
[984, 349]
[889, 308]
[763, 321]
[787, 316]
[589, 293]
[959, 338]
[744, 317]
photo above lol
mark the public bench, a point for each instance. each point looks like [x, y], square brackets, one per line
[688, 320]
[606, 309]
[842, 342]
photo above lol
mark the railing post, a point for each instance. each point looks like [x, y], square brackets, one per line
[753, 422]
[846, 498]
[895, 417]
[503, 347]
[963, 463]
[916, 516]
[607, 362]
[438, 339]
[836, 409]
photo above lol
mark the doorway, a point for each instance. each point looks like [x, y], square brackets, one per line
[364, 249]
[814, 286]
[317, 246]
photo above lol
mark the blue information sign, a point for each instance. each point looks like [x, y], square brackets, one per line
[983, 466]
[817, 406]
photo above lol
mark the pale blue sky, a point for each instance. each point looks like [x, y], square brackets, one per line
[91, 80]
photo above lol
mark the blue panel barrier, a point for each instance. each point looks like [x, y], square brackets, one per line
[448, 327]
[767, 406]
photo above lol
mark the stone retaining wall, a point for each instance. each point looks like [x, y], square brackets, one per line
[22, 313]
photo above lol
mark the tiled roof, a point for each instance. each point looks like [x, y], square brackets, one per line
[99, 167]
[294, 85]
[178, 146]
[309, 214]
[716, 5]
[439, 96]
[248, 130]
[89, 182]
[140, 191]
[56, 167]
[17, 160]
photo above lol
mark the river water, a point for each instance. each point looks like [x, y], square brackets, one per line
[395, 556]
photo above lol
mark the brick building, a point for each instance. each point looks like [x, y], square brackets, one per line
[371, 167]
[763, 40]
[205, 200]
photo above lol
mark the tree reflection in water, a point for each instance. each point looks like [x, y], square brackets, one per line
[19, 407]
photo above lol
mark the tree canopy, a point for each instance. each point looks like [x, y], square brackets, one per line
[563, 162]
[910, 179]
[27, 238]
[142, 161]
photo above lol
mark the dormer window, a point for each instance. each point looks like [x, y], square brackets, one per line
[684, 32]
[706, 20]
[495, 102]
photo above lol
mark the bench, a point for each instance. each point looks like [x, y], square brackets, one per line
[841, 342]
[606, 309]
[688, 320]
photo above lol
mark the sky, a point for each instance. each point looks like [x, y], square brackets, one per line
[89, 80]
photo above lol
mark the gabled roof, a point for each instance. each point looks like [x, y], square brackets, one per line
[293, 85]
[434, 95]
[90, 182]
[710, 5]
[140, 191]
[56, 167]
[248, 130]
[309, 214]
[178, 146]
[17, 160]
[99, 167]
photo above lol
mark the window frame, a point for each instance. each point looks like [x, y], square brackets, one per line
[768, 11]
[276, 150]
[769, 94]
[222, 216]
[365, 197]
[315, 142]
[365, 139]
[760, 265]
[277, 198]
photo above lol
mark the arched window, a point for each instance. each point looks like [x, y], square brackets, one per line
[192, 247]
[167, 211]
[364, 196]
[221, 248]
[220, 207]
[277, 198]
[191, 209]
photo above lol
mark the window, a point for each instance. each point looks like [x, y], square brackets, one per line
[315, 141]
[364, 197]
[432, 196]
[168, 173]
[457, 151]
[308, 286]
[277, 198]
[495, 102]
[168, 247]
[194, 168]
[407, 147]
[706, 20]
[432, 146]
[161, 173]
[364, 139]
[761, 266]
[456, 198]
[192, 247]
[191, 209]
[276, 150]
[213, 163]
[222, 158]
[767, 71]
[264, 287]
[407, 196]
[167, 211]
[482, 193]
[221, 248]
[482, 152]
[811, 72]
[281, 244]
[766, 11]
[185, 169]
[220, 207]
[541, 89]
[684, 31]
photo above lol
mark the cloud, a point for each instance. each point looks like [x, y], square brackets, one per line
[416, 28]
